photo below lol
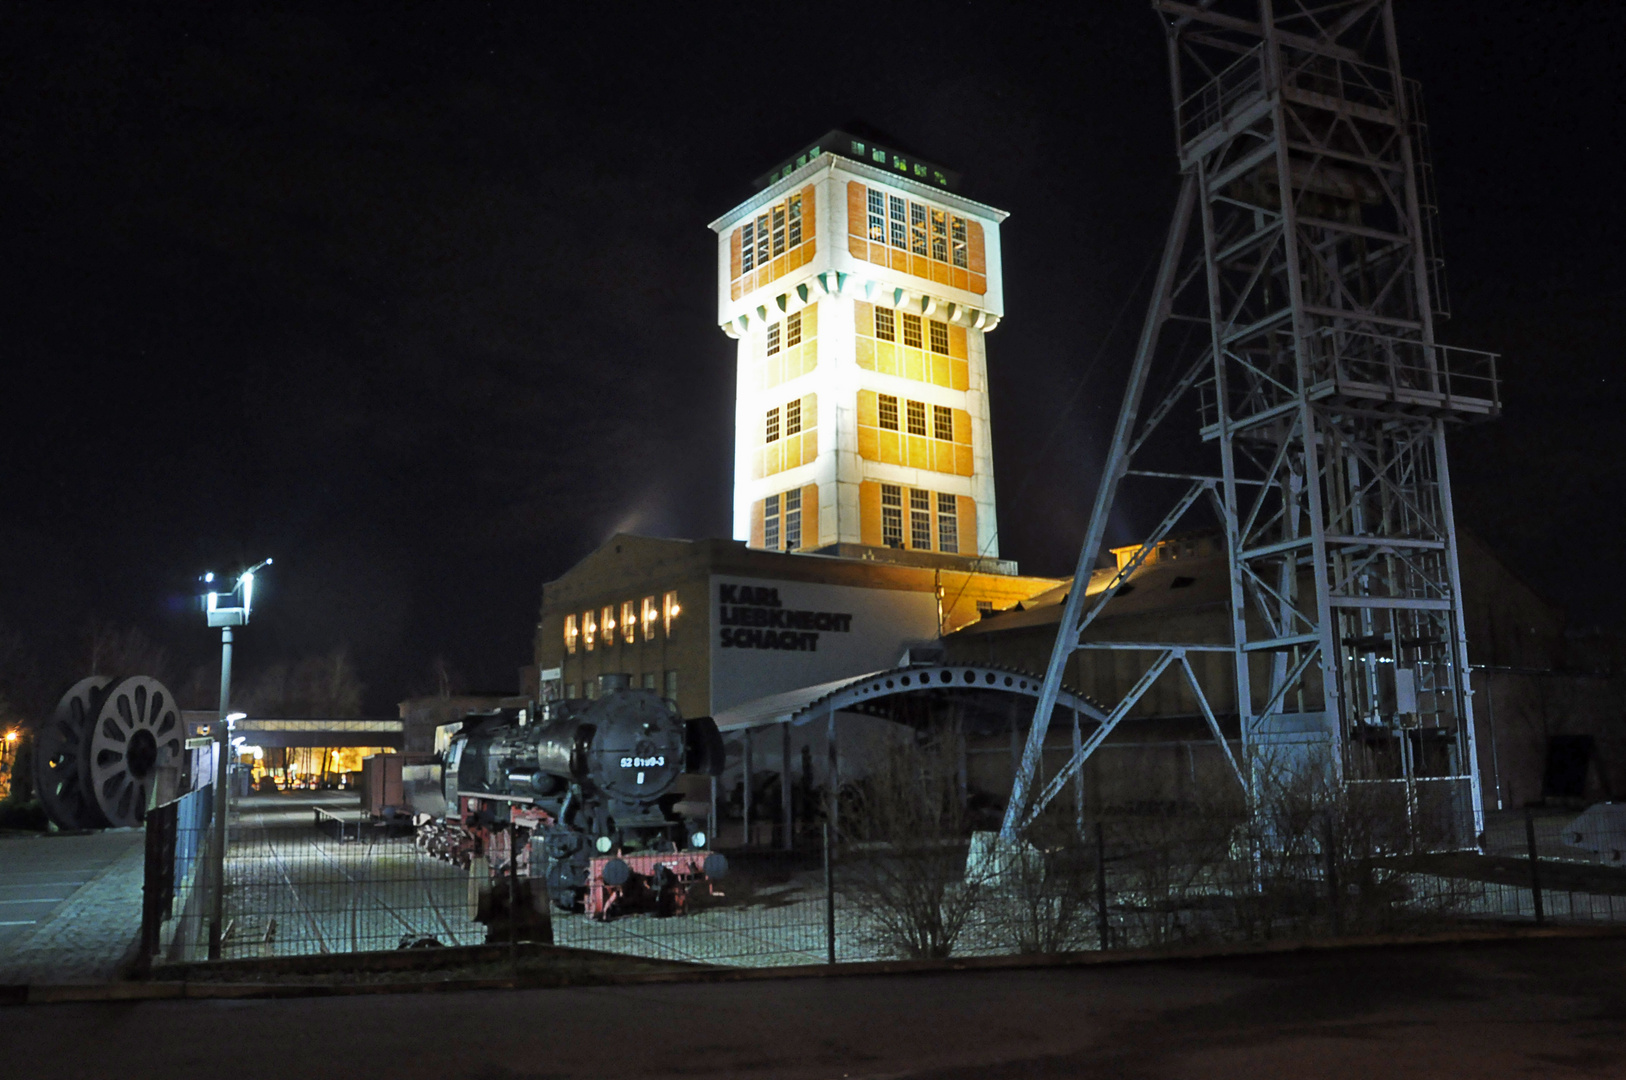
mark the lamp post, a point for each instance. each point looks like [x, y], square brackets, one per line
[222, 613]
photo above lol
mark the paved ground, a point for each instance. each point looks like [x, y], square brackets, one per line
[70, 906]
[1545, 1008]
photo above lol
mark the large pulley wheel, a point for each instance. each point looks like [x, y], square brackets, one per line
[136, 730]
[59, 750]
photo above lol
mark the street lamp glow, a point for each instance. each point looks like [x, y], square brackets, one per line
[225, 617]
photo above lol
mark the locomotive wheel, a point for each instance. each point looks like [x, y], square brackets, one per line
[61, 744]
[137, 729]
[565, 881]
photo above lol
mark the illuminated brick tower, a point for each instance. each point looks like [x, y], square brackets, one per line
[860, 289]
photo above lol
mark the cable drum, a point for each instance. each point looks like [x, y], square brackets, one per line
[58, 749]
[136, 730]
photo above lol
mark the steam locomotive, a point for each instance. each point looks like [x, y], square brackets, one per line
[580, 805]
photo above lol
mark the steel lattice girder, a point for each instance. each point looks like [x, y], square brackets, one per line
[1302, 242]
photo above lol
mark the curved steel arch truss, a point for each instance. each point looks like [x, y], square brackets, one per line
[856, 695]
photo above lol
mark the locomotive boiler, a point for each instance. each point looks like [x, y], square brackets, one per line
[579, 804]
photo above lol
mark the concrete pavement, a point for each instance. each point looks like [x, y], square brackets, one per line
[70, 906]
[1520, 1008]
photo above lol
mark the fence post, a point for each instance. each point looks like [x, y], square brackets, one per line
[1101, 887]
[1332, 875]
[829, 899]
[1535, 863]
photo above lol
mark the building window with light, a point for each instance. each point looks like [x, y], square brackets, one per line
[589, 630]
[670, 610]
[629, 622]
[573, 634]
[877, 216]
[770, 523]
[900, 231]
[606, 625]
[795, 220]
[920, 519]
[911, 331]
[917, 228]
[948, 524]
[960, 258]
[917, 417]
[892, 515]
[651, 615]
[748, 246]
[793, 519]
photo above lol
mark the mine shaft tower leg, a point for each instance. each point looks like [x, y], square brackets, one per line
[1304, 265]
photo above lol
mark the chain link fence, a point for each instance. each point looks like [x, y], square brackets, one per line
[310, 874]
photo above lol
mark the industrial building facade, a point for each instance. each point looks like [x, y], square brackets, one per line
[860, 289]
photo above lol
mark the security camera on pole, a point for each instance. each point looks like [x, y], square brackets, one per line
[215, 598]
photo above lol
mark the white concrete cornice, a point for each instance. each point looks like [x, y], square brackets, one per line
[834, 283]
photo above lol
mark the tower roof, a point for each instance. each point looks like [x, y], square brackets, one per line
[860, 142]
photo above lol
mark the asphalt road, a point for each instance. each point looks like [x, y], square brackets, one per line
[40, 873]
[1540, 1008]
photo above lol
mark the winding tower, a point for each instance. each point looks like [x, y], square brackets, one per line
[1293, 317]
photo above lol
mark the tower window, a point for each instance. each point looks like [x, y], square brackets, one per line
[650, 616]
[940, 235]
[779, 230]
[886, 328]
[795, 220]
[793, 519]
[920, 519]
[939, 332]
[917, 417]
[607, 625]
[589, 630]
[943, 423]
[770, 432]
[911, 331]
[671, 610]
[762, 239]
[793, 418]
[886, 406]
[572, 634]
[900, 231]
[877, 216]
[629, 622]
[748, 247]
[960, 251]
[770, 523]
[892, 515]
[948, 524]
[793, 330]
[917, 228]
[773, 338]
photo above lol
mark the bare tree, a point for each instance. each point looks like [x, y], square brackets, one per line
[905, 832]
[114, 650]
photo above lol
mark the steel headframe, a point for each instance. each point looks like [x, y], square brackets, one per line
[1304, 243]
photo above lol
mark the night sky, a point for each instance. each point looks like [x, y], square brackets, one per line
[420, 299]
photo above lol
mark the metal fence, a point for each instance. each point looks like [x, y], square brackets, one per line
[310, 874]
[176, 881]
